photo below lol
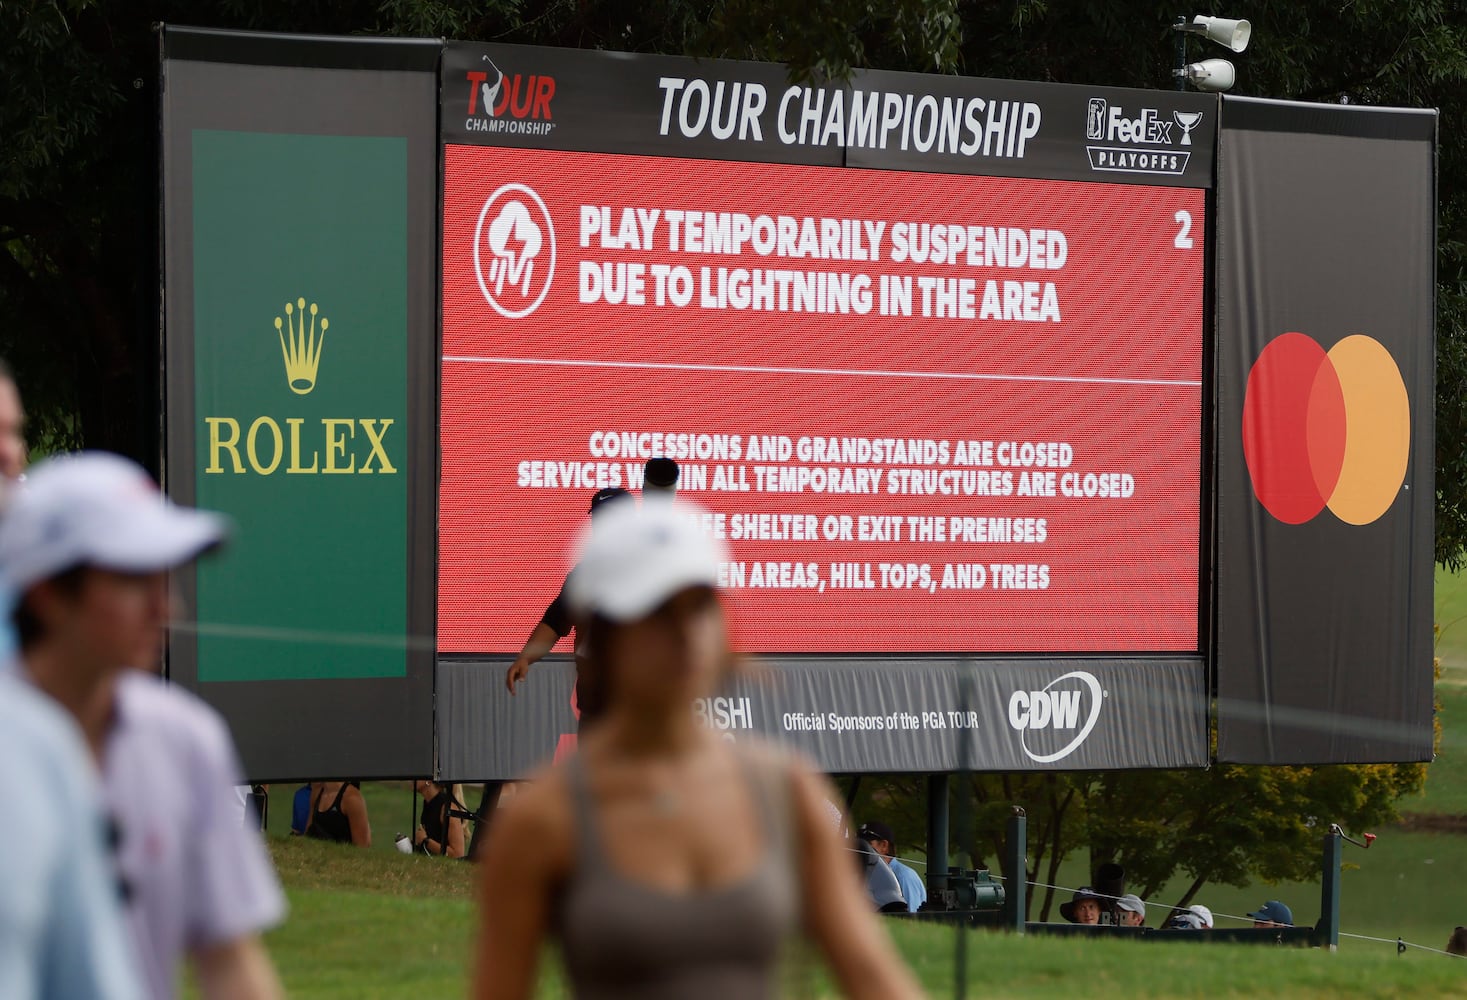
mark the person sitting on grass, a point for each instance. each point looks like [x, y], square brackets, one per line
[344, 819]
[1273, 914]
[439, 831]
[1084, 906]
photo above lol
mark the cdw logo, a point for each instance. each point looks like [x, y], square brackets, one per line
[519, 96]
[1060, 706]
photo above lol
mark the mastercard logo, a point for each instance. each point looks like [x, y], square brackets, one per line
[1326, 429]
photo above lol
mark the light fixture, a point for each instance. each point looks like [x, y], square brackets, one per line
[1224, 31]
[1209, 74]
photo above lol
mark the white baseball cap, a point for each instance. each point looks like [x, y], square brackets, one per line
[96, 509]
[633, 557]
[1203, 914]
[1131, 903]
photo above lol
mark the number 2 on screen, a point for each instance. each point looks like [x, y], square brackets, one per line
[1184, 237]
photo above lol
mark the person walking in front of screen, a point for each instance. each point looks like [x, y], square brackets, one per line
[669, 862]
[659, 478]
[86, 545]
[555, 625]
[879, 836]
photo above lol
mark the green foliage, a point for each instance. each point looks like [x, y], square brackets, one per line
[1235, 825]
[77, 172]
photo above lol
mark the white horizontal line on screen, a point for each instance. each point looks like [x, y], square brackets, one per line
[772, 370]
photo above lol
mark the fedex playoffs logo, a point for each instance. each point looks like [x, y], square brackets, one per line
[1113, 124]
[514, 251]
[1058, 708]
[517, 104]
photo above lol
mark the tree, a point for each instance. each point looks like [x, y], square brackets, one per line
[78, 219]
[1232, 824]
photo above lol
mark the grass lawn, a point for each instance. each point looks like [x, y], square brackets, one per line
[377, 924]
[1451, 616]
[380, 924]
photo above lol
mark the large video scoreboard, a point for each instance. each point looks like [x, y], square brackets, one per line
[1046, 425]
[929, 353]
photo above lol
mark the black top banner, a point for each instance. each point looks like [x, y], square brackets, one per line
[522, 96]
[1325, 435]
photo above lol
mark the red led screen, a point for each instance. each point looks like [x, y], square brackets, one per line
[930, 412]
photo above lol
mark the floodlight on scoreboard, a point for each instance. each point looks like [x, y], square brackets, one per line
[1229, 33]
[1213, 75]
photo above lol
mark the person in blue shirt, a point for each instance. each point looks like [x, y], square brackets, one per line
[879, 836]
[61, 924]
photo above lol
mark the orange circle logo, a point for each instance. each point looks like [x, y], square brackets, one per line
[1326, 429]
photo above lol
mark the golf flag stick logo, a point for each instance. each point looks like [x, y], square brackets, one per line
[1326, 429]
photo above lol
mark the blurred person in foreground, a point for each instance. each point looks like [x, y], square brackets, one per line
[667, 861]
[13, 449]
[61, 930]
[13, 453]
[85, 547]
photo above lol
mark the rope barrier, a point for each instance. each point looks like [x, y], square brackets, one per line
[1401, 944]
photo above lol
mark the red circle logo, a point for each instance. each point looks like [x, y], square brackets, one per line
[1326, 429]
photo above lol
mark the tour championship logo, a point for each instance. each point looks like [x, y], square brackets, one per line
[1055, 720]
[514, 251]
[1326, 429]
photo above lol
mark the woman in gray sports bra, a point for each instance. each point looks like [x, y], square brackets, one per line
[665, 861]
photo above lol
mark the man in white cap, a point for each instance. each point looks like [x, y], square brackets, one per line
[85, 547]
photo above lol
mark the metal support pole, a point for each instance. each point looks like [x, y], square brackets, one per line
[1181, 52]
[488, 802]
[936, 835]
[1328, 928]
[1016, 871]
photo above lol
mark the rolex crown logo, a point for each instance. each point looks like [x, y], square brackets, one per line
[300, 345]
